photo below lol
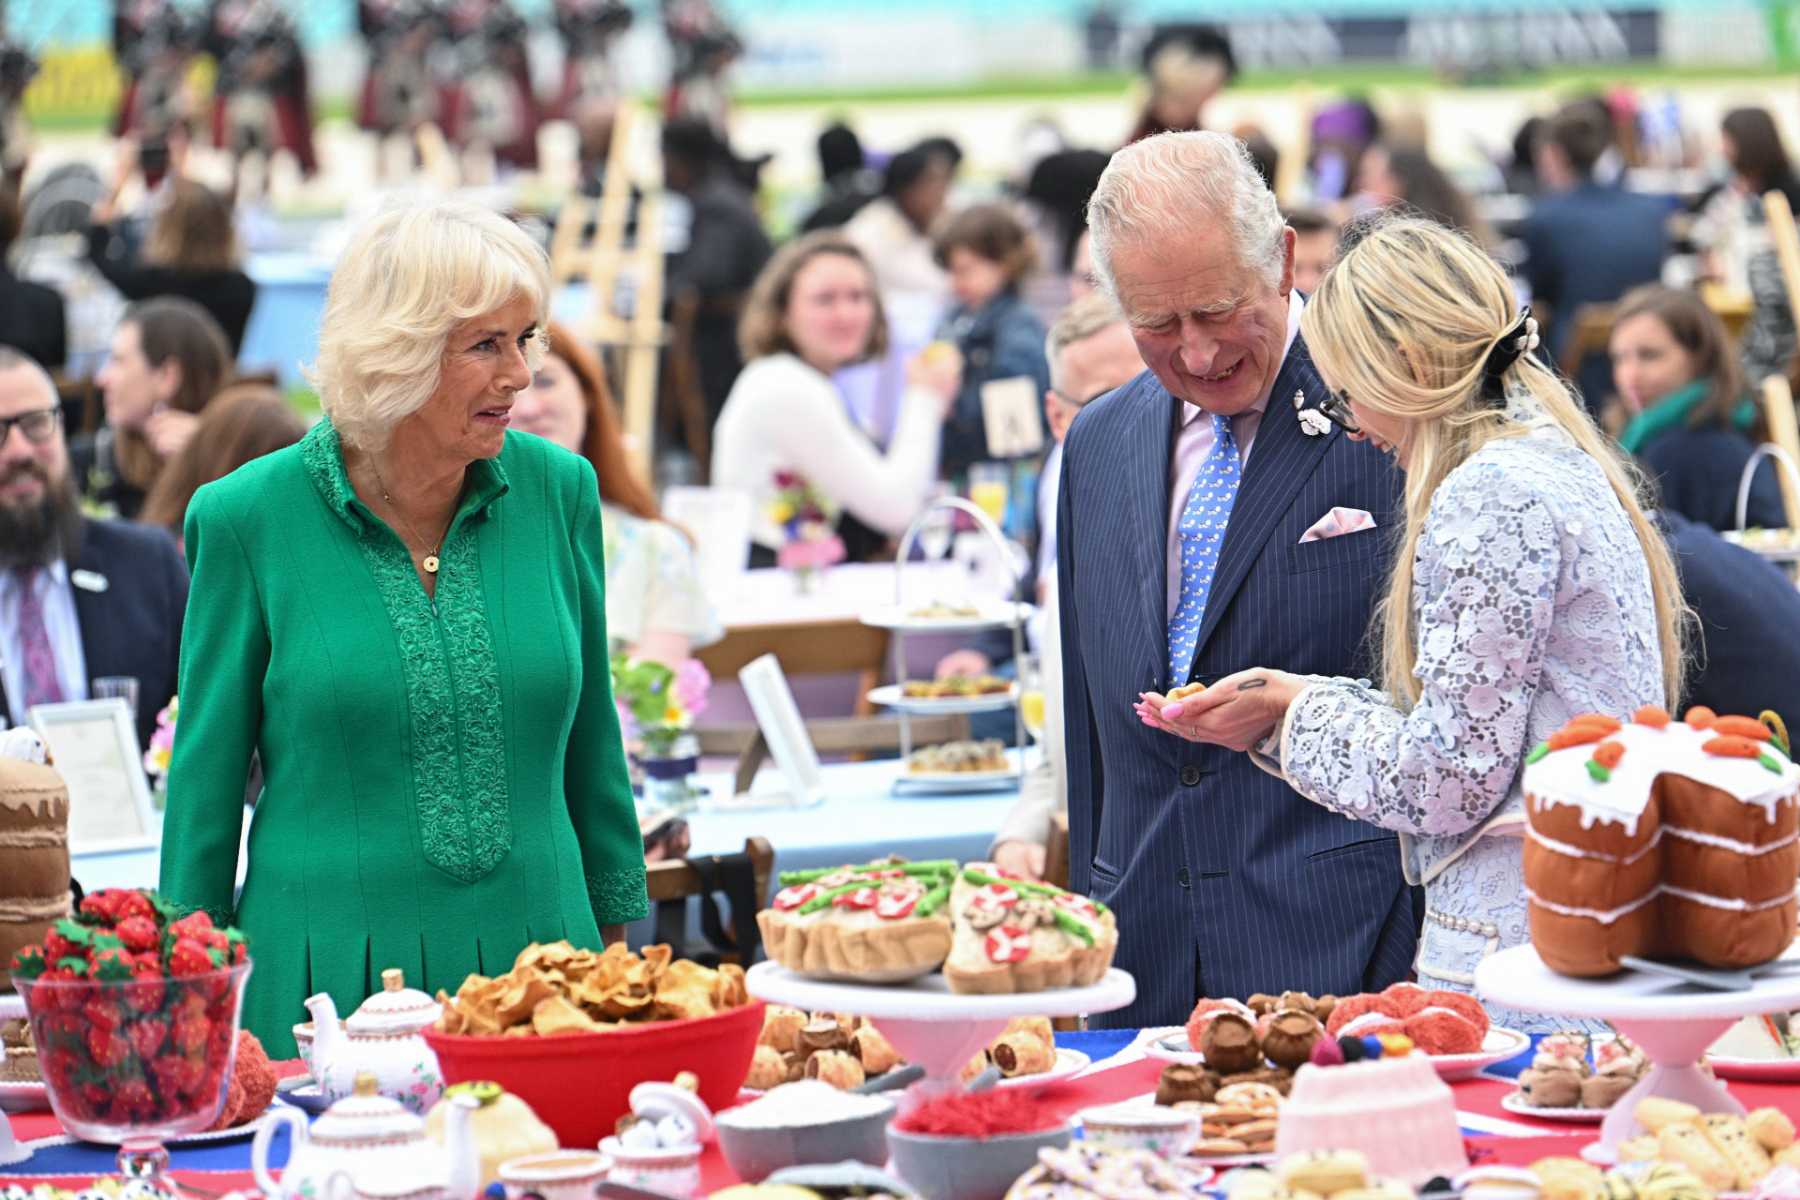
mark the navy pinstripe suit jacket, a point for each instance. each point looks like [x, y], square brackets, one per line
[1217, 870]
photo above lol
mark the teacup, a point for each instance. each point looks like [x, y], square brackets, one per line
[556, 1175]
[1170, 1132]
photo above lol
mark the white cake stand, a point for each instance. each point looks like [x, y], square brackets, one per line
[929, 1024]
[1674, 1023]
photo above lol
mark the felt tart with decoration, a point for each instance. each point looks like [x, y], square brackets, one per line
[882, 922]
[1016, 935]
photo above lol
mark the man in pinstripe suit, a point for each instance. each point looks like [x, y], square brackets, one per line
[1185, 498]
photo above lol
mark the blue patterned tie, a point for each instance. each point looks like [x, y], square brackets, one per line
[1203, 521]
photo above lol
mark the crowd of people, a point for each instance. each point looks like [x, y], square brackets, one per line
[1252, 421]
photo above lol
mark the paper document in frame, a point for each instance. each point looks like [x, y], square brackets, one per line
[1010, 413]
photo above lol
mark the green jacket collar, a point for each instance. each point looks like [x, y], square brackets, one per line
[322, 452]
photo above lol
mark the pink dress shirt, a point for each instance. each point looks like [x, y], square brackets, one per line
[1195, 441]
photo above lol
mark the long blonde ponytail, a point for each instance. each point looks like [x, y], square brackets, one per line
[1404, 322]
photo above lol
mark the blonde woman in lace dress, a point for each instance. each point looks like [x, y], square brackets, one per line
[1529, 586]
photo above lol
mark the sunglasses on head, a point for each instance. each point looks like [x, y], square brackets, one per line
[1336, 407]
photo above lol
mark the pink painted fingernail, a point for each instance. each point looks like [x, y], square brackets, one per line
[1171, 711]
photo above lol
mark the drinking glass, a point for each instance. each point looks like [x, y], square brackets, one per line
[1031, 696]
[937, 526]
[988, 484]
[123, 686]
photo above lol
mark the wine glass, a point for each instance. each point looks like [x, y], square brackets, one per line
[1031, 696]
[937, 525]
[134, 1061]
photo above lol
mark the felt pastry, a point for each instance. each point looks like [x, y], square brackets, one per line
[836, 1067]
[1326, 1172]
[781, 1027]
[1603, 1091]
[1656, 1113]
[1731, 1137]
[1690, 1147]
[1024, 1050]
[1015, 935]
[1378, 1189]
[767, 1069]
[1644, 1148]
[882, 922]
[1230, 1045]
[1772, 1129]
[872, 1049]
[1290, 1038]
[1186, 1081]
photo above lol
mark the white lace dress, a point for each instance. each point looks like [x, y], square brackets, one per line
[1531, 603]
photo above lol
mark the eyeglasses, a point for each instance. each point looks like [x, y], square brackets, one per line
[1336, 407]
[38, 426]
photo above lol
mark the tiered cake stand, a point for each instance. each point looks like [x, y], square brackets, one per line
[926, 1022]
[1674, 1022]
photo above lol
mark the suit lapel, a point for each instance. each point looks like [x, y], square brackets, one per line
[1147, 470]
[1281, 459]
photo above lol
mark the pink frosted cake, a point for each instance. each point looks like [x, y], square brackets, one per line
[1395, 1110]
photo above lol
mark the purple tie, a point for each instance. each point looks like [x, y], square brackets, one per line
[41, 684]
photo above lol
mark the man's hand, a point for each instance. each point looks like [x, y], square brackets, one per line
[967, 663]
[1236, 712]
[1021, 858]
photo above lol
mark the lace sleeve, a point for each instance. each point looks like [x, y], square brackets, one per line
[1484, 597]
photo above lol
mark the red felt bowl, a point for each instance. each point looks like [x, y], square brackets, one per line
[580, 1084]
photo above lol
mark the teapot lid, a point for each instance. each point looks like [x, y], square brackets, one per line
[366, 1115]
[655, 1100]
[396, 1008]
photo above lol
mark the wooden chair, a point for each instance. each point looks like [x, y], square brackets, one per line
[1056, 852]
[1784, 431]
[830, 735]
[1780, 219]
[805, 648]
[1593, 328]
[671, 884]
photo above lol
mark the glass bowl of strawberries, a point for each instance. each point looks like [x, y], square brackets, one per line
[134, 1013]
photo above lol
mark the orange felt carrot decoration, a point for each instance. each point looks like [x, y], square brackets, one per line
[1700, 717]
[1653, 715]
[1732, 747]
[1594, 720]
[1743, 727]
[1576, 735]
[1608, 754]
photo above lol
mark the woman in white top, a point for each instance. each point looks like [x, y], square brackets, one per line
[655, 606]
[1529, 587]
[814, 310]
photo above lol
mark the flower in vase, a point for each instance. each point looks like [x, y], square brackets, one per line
[692, 684]
[162, 742]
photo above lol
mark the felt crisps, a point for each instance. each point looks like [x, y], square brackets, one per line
[554, 988]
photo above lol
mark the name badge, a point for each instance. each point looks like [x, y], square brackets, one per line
[89, 581]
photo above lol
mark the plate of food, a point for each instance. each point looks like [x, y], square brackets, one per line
[1519, 1104]
[948, 616]
[952, 694]
[952, 766]
[850, 1052]
[1758, 1049]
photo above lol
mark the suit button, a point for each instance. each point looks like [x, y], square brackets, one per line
[1190, 775]
[1182, 878]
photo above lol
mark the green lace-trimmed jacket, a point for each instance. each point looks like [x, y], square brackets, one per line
[443, 782]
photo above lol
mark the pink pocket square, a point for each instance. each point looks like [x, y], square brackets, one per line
[1337, 522]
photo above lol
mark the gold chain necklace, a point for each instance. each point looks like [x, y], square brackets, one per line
[430, 561]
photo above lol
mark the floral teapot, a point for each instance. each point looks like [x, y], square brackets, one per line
[372, 1142]
[385, 1037]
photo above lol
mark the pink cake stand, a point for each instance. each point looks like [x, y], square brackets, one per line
[928, 1023]
[1674, 1023]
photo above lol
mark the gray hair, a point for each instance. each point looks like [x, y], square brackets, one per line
[14, 359]
[1163, 185]
[407, 278]
[1078, 322]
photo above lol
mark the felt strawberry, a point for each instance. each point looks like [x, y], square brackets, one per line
[67, 939]
[102, 1012]
[63, 998]
[96, 1098]
[147, 1035]
[194, 923]
[147, 990]
[111, 965]
[29, 962]
[190, 957]
[190, 1033]
[139, 933]
[135, 1098]
[106, 1047]
[176, 1075]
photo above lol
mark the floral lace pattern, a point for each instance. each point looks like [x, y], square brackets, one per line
[452, 678]
[1532, 603]
[618, 896]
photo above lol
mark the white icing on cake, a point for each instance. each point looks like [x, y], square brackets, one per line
[1604, 916]
[1744, 849]
[1561, 777]
[1369, 1020]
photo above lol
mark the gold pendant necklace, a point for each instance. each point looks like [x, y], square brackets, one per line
[430, 562]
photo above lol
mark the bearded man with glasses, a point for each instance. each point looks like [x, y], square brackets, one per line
[80, 599]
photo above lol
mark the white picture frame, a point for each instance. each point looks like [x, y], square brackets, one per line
[772, 701]
[94, 747]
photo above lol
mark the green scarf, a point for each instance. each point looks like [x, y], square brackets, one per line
[1673, 411]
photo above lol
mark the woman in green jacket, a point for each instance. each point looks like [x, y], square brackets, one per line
[403, 615]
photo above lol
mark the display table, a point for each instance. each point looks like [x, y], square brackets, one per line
[1119, 1073]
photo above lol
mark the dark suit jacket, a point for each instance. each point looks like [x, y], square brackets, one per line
[1697, 474]
[1591, 246]
[1749, 619]
[32, 320]
[133, 626]
[1214, 867]
[227, 295]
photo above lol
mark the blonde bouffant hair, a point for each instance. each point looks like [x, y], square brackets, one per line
[1404, 323]
[407, 279]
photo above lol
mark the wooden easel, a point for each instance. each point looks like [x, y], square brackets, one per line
[640, 336]
[1777, 395]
